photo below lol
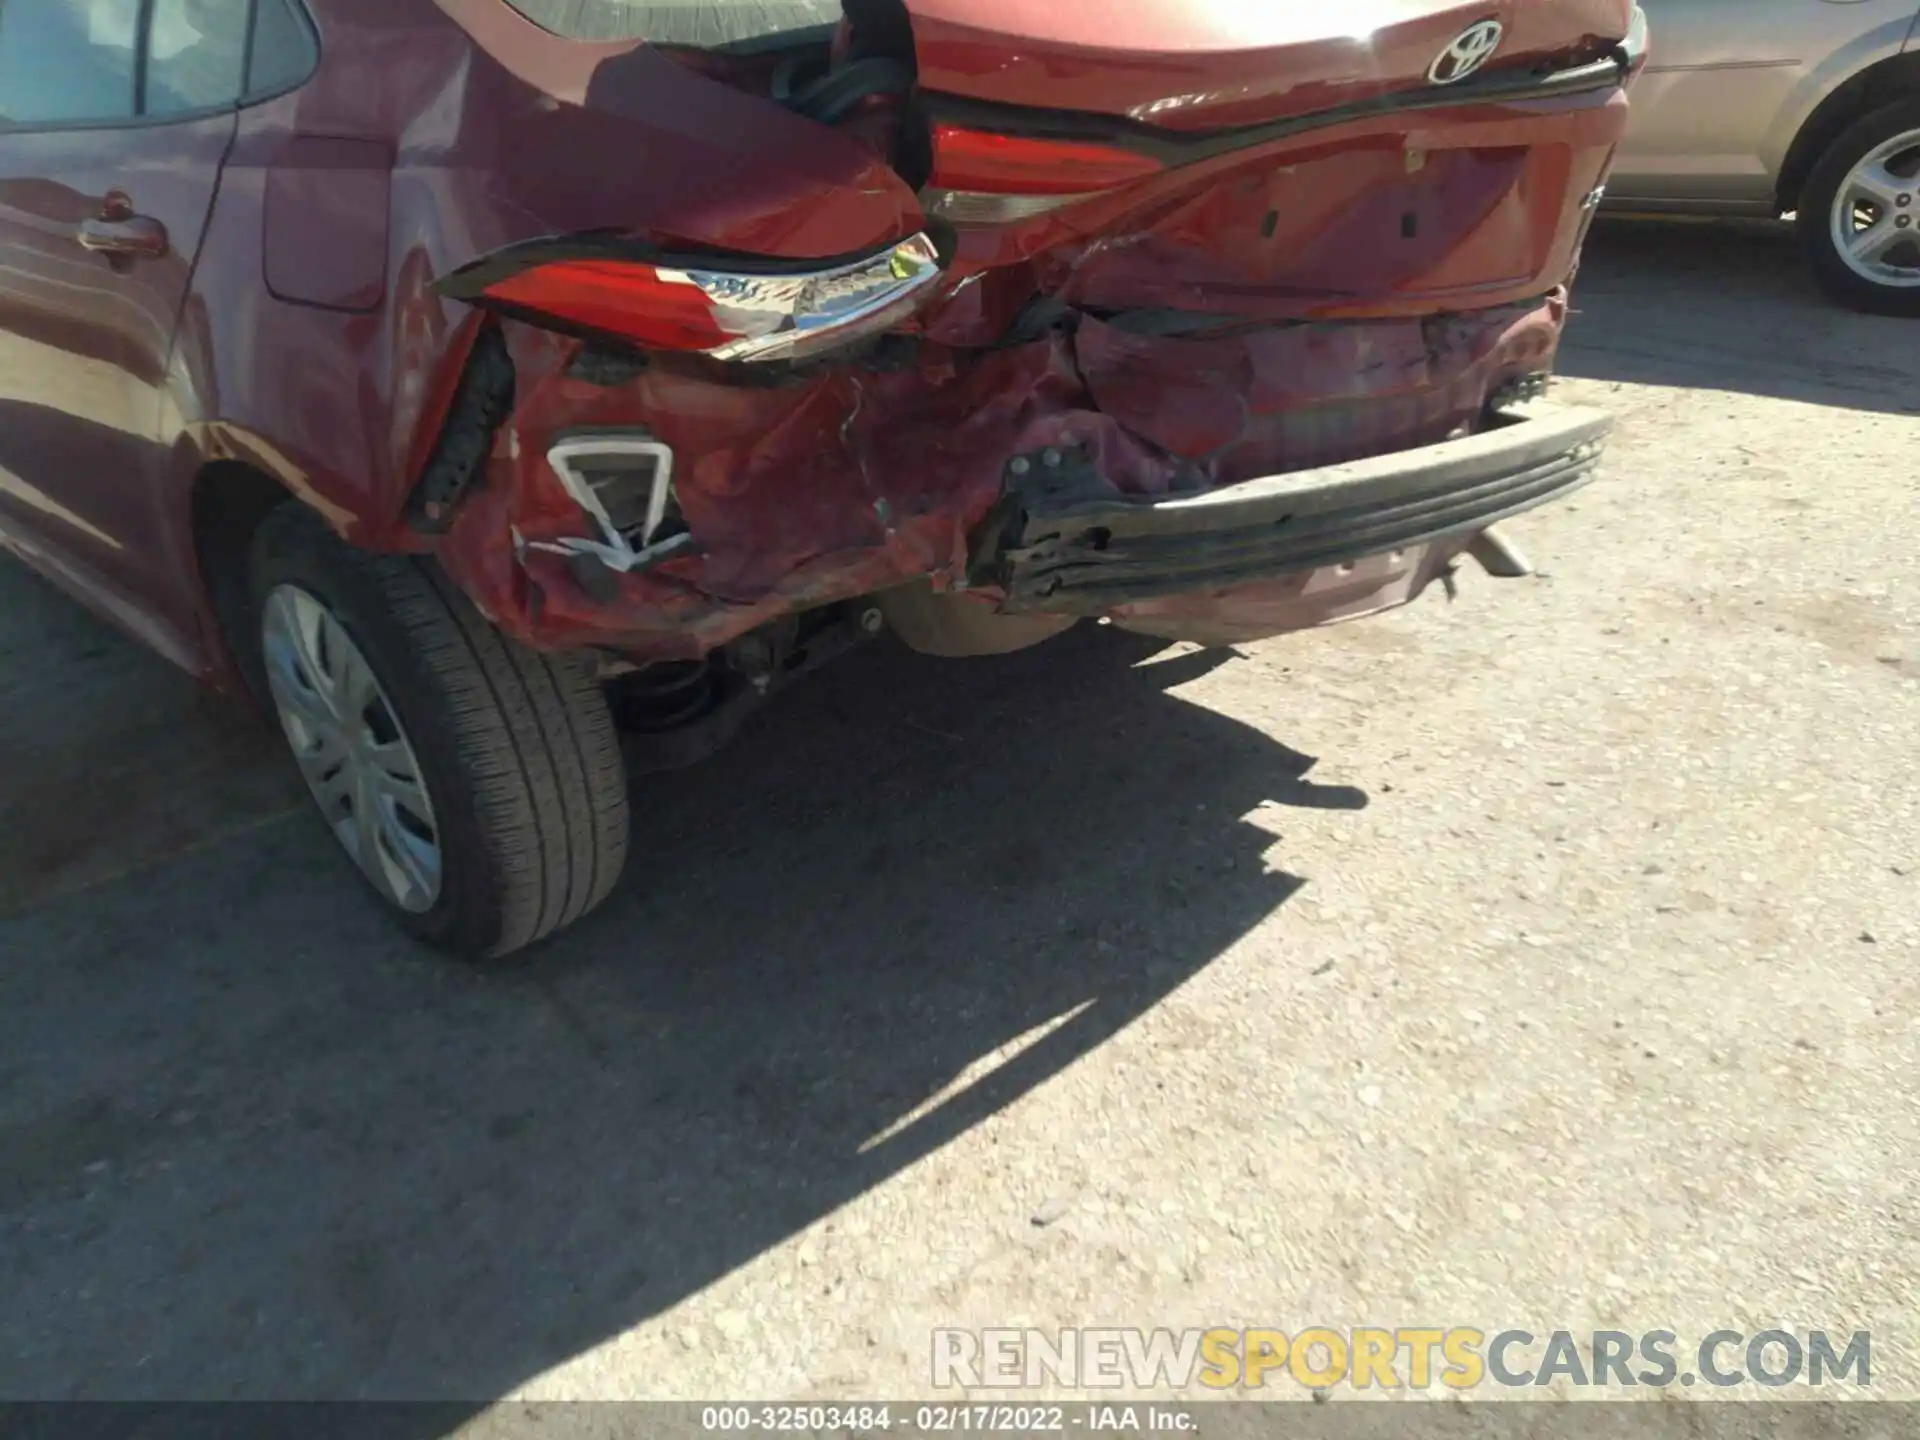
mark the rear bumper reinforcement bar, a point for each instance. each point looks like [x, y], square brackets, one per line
[1063, 542]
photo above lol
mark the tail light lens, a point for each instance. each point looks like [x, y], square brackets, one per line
[1016, 165]
[984, 178]
[662, 309]
[726, 314]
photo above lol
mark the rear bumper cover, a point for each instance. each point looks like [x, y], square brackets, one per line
[1064, 543]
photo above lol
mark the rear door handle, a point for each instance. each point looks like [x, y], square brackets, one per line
[120, 233]
[136, 238]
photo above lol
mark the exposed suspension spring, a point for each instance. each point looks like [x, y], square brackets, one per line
[666, 695]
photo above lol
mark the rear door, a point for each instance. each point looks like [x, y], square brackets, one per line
[115, 118]
[1722, 76]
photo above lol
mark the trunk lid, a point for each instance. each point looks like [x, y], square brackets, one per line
[1207, 64]
[1299, 161]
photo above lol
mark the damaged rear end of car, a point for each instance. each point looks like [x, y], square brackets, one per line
[979, 318]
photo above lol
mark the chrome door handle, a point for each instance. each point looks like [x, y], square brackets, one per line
[136, 237]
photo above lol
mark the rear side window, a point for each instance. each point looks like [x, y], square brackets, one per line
[706, 24]
[196, 55]
[283, 49]
[67, 60]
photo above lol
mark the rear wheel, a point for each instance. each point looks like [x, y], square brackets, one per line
[476, 784]
[1860, 214]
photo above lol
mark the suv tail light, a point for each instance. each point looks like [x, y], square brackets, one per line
[727, 313]
[984, 178]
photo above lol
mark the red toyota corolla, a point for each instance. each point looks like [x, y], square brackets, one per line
[508, 391]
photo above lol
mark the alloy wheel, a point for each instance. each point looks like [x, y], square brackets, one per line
[1876, 214]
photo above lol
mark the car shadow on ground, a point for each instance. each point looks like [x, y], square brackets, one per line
[111, 761]
[1728, 305]
[253, 1144]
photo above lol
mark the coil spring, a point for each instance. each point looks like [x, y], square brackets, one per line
[667, 695]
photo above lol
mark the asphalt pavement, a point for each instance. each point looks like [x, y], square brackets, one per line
[1545, 958]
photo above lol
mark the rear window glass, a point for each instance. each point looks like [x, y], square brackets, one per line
[707, 24]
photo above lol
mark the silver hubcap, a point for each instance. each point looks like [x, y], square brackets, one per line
[1876, 217]
[348, 740]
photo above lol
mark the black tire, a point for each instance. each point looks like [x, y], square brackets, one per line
[517, 749]
[1822, 191]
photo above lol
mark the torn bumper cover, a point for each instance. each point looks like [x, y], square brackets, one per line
[1213, 490]
[1287, 551]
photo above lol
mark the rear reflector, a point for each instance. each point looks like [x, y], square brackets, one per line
[973, 160]
[728, 314]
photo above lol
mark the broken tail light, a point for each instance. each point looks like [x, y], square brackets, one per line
[728, 314]
[984, 178]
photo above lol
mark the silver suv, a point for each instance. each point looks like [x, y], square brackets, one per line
[1765, 107]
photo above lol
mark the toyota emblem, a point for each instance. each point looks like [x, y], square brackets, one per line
[1472, 49]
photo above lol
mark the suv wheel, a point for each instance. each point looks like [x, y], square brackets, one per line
[476, 784]
[1860, 215]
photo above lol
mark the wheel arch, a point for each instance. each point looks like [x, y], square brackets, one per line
[228, 502]
[1880, 83]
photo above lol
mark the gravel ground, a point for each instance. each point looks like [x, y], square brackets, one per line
[1546, 959]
